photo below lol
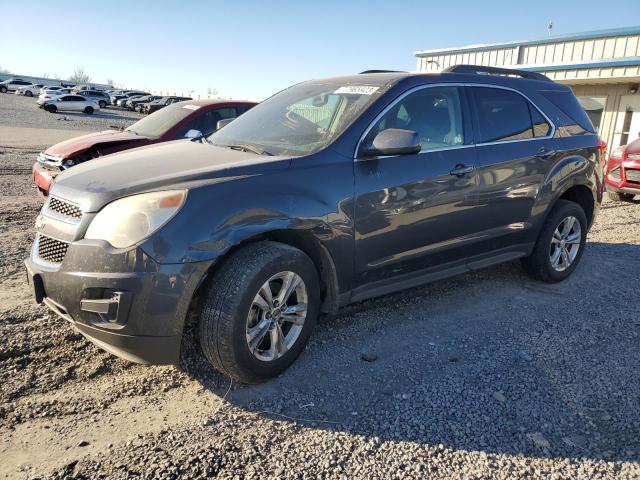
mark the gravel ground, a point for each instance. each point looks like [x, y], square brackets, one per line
[20, 111]
[519, 380]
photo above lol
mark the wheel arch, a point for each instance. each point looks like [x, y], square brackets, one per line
[583, 196]
[300, 239]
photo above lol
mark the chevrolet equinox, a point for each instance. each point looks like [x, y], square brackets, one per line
[328, 193]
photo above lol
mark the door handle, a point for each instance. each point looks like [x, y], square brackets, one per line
[461, 170]
[544, 153]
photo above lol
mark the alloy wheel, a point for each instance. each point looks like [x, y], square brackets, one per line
[565, 243]
[276, 316]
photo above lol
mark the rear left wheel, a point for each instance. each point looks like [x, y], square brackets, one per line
[560, 244]
[259, 311]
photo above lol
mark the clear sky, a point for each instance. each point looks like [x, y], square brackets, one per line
[251, 49]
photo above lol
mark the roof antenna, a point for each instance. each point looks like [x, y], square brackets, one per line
[549, 27]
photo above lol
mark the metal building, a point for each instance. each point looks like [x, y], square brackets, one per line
[602, 67]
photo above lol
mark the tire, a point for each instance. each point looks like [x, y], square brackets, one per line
[620, 197]
[28, 93]
[3, 89]
[51, 108]
[539, 264]
[230, 312]
[88, 110]
[102, 104]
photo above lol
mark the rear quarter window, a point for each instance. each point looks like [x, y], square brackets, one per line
[579, 122]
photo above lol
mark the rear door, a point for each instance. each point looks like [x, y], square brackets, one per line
[415, 213]
[515, 148]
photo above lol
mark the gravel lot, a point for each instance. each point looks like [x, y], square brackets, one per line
[486, 375]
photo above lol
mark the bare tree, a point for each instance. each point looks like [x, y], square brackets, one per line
[79, 76]
[110, 82]
[212, 91]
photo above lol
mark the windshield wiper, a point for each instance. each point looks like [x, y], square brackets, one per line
[245, 147]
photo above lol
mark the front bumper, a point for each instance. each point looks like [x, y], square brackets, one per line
[623, 176]
[123, 301]
[43, 178]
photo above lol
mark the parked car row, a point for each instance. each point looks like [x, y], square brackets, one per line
[142, 102]
[329, 192]
[181, 120]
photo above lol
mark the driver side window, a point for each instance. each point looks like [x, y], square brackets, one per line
[435, 114]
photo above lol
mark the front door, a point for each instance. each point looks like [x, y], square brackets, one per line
[415, 213]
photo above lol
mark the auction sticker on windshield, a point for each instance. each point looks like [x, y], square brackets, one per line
[357, 90]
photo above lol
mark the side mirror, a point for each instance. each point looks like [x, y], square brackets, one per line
[224, 122]
[193, 133]
[393, 141]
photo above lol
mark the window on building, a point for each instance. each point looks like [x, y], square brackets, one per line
[433, 113]
[503, 115]
[594, 106]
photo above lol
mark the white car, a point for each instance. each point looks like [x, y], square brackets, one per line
[71, 103]
[50, 87]
[52, 94]
[29, 90]
[12, 84]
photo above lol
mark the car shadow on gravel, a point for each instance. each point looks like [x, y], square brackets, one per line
[488, 361]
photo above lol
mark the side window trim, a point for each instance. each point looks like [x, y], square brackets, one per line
[466, 109]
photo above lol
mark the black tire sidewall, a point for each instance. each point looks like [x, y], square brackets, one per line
[28, 94]
[51, 109]
[303, 267]
[228, 338]
[88, 110]
[102, 104]
[560, 212]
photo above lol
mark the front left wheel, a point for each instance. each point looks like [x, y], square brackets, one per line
[259, 310]
[88, 110]
[28, 93]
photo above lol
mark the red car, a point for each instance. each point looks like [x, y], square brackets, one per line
[187, 119]
[623, 172]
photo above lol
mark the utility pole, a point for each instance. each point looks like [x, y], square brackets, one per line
[549, 27]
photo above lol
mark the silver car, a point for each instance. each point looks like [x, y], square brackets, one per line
[71, 103]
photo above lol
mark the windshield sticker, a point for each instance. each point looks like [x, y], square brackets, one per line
[357, 90]
[191, 107]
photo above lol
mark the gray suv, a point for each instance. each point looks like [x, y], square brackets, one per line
[328, 193]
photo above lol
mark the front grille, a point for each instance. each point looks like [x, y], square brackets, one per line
[63, 208]
[614, 174]
[51, 250]
[632, 174]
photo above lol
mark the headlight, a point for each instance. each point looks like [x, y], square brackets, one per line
[126, 221]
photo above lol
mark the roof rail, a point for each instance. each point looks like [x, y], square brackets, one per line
[479, 69]
[383, 71]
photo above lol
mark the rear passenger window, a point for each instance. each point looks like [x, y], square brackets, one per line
[503, 115]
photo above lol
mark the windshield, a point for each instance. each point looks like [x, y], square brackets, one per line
[300, 120]
[157, 124]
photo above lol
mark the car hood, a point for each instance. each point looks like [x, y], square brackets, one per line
[176, 164]
[80, 144]
[633, 147]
